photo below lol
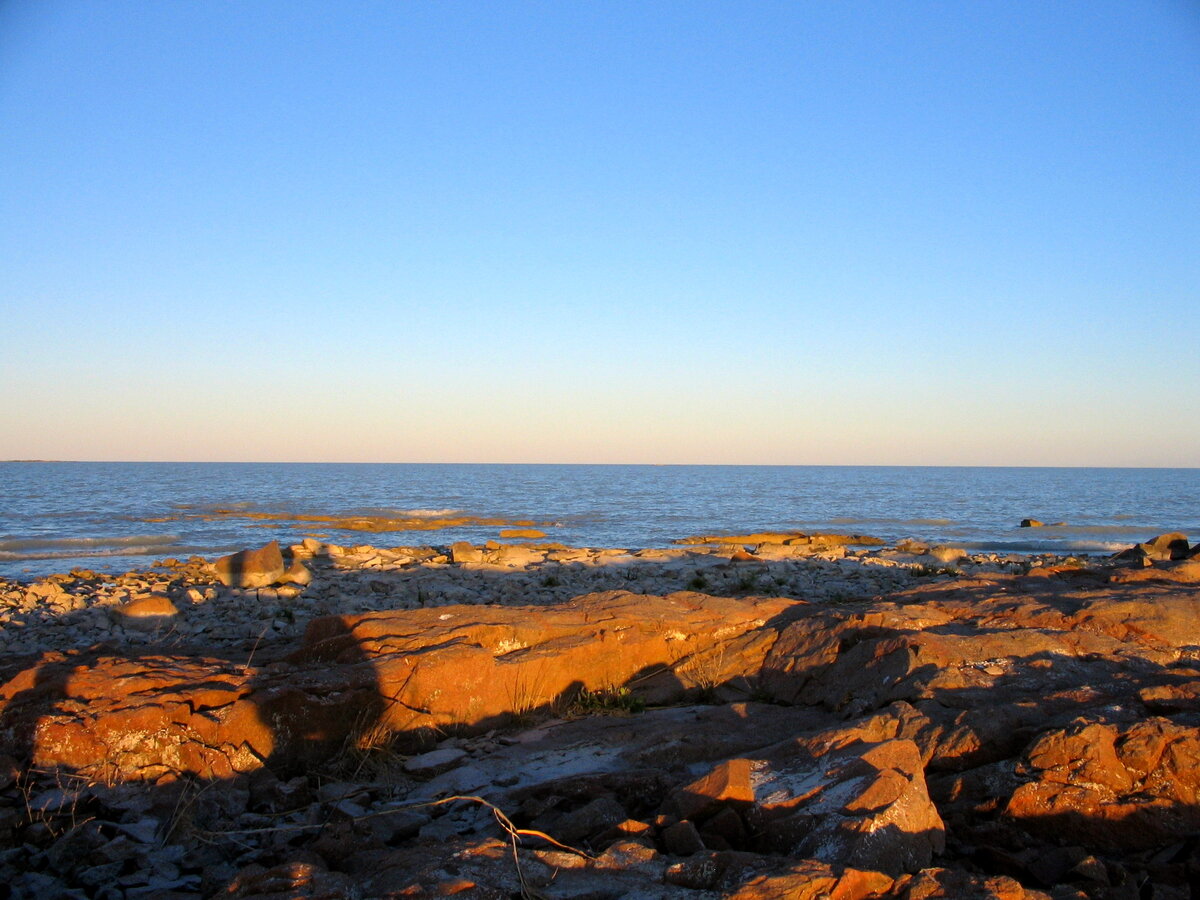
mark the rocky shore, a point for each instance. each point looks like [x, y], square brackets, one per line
[741, 716]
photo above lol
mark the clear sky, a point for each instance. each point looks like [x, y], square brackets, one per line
[811, 233]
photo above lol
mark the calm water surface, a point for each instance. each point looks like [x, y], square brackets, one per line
[99, 515]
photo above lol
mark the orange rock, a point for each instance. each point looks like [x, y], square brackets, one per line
[954, 884]
[1186, 571]
[1113, 789]
[811, 879]
[1086, 754]
[469, 666]
[292, 880]
[408, 672]
[152, 606]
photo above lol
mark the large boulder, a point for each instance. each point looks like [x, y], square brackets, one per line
[1163, 548]
[251, 568]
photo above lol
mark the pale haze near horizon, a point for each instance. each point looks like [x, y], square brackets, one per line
[959, 234]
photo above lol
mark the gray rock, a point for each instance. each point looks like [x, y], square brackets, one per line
[435, 762]
[682, 839]
[590, 819]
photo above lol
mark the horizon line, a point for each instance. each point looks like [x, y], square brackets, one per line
[252, 462]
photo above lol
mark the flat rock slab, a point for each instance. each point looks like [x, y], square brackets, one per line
[412, 673]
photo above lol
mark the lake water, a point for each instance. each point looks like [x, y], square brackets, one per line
[120, 516]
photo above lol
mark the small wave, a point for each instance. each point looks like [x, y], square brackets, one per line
[172, 549]
[427, 513]
[1099, 546]
[848, 520]
[119, 544]
[1140, 532]
[1044, 546]
[208, 509]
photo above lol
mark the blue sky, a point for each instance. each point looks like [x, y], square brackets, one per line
[811, 233]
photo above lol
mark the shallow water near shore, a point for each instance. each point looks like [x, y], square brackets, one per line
[120, 516]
